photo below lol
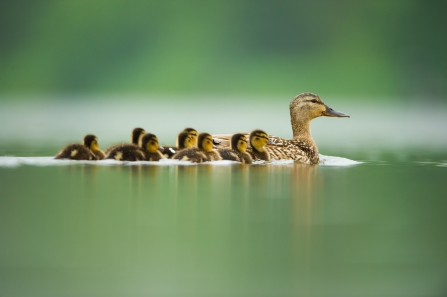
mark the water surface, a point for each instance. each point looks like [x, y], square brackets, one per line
[376, 228]
[373, 229]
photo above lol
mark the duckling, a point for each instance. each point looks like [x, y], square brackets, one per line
[169, 151]
[88, 150]
[135, 136]
[302, 148]
[237, 151]
[206, 144]
[188, 150]
[258, 140]
[147, 151]
[149, 143]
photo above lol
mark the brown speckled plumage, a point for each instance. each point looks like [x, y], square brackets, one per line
[192, 154]
[88, 150]
[130, 152]
[302, 148]
[126, 152]
[203, 153]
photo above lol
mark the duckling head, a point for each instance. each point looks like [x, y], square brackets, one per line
[304, 108]
[205, 142]
[258, 140]
[150, 143]
[136, 135]
[193, 133]
[186, 140]
[91, 141]
[239, 142]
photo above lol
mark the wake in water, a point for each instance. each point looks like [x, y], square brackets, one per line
[50, 161]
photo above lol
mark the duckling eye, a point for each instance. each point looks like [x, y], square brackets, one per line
[314, 101]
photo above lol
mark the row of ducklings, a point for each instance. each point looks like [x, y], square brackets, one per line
[191, 146]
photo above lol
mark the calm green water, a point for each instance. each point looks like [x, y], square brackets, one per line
[374, 229]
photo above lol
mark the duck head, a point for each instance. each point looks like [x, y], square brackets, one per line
[258, 140]
[136, 135]
[239, 142]
[150, 143]
[205, 142]
[193, 133]
[304, 108]
[91, 141]
[186, 139]
[309, 106]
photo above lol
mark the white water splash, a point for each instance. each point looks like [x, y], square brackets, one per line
[12, 162]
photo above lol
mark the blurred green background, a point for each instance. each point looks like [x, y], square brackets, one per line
[377, 49]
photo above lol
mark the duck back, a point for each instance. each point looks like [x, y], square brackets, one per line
[127, 152]
[76, 152]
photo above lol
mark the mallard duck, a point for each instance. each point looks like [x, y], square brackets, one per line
[147, 151]
[258, 141]
[169, 151]
[203, 153]
[302, 148]
[237, 151]
[88, 150]
[135, 136]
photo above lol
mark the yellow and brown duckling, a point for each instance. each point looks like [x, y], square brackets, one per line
[206, 143]
[237, 151]
[135, 137]
[204, 152]
[301, 148]
[169, 151]
[147, 151]
[88, 150]
[149, 142]
[258, 141]
[188, 149]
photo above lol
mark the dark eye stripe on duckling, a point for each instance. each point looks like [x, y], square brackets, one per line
[262, 136]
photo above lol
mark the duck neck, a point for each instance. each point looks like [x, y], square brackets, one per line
[301, 129]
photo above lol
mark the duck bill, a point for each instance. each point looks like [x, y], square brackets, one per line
[329, 112]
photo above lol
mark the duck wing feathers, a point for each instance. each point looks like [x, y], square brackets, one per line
[279, 148]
